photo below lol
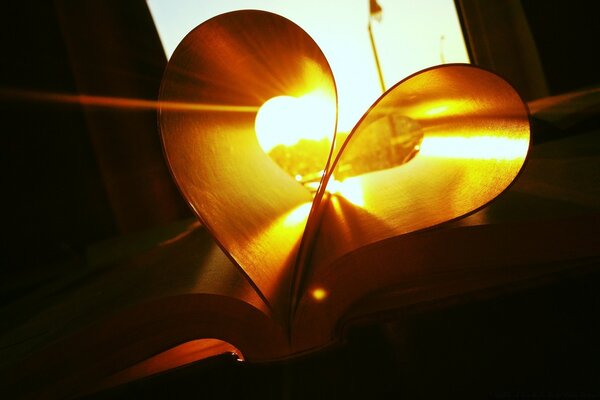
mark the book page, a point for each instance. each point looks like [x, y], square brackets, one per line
[546, 225]
[442, 143]
[138, 296]
[223, 106]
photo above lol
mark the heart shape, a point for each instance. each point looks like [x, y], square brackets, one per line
[440, 144]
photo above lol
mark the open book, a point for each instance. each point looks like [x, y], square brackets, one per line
[248, 117]
[303, 238]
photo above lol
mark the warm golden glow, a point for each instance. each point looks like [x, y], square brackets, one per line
[241, 194]
[477, 147]
[350, 189]
[286, 120]
[297, 216]
[319, 294]
[437, 110]
[177, 356]
[409, 36]
[296, 133]
[396, 172]
[118, 102]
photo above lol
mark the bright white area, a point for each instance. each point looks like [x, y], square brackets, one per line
[411, 35]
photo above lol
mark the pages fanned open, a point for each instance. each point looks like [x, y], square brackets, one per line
[303, 228]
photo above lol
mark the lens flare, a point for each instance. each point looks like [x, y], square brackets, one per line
[350, 189]
[296, 133]
[319, 294]
[286, 120]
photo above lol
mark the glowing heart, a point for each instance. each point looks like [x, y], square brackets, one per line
[248, 120]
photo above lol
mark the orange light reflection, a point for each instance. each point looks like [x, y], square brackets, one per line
[283, 233]
[177, 356]
[119, 102]
[474, 148]
[297, 216]
[319, 294]
[437, 110]
[351, 189]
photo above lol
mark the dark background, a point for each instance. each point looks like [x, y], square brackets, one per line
[535, 344]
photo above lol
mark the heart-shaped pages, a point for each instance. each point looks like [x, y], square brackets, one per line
[436, 146]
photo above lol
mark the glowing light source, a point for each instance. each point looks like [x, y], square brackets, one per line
[296, 133]
[286, 120]
[319, 294]
[350, 189]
